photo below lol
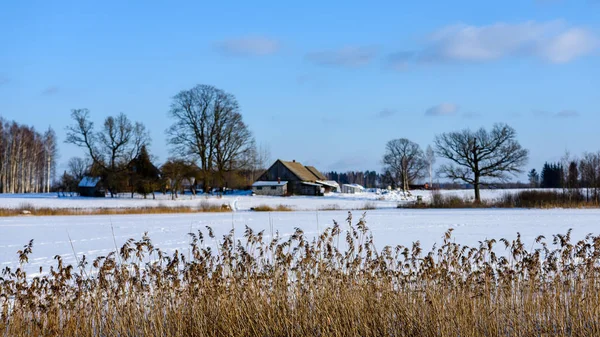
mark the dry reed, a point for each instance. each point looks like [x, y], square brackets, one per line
[337, 284]
[267, 208]
[521, 199]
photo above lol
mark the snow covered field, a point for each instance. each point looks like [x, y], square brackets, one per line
[237, 202]
[93, 235]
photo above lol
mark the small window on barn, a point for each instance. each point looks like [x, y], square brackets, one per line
[259, 187]
[273, 187]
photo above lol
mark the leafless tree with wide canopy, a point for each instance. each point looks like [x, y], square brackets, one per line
[480, 157]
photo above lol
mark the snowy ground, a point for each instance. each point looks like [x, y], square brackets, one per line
[93, 235]
[381, 199]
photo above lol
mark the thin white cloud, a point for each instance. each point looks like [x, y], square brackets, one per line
[345, 57]
[471, 115]
[560, 114]
[347, 163]
[249, 46]
[444, 109]
[567, 114]
[51, 90]
[400, 60]
[385, 113]
[552, 41]
[568, 45]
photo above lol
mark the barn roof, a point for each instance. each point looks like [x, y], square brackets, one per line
[316, 173]
[89, 181]
[332, 183]
[357, 186]
[299, 170]
[328, 183]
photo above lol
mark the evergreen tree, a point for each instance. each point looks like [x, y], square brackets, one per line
[552, 175]
[534, 178]
[573, 175]
[145, 176]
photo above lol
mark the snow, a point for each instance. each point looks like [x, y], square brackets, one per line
[93, 235]
[329, 183]
[381, 199]
[89, 181]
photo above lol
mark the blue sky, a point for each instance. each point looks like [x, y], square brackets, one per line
[325, 83]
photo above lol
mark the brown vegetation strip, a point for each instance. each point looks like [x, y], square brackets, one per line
[161, 209]
[521, 199]
[301, 286]
[267, 208]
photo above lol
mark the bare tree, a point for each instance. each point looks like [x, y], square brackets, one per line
[27, 158]
[50, 154]
[78, 168]
[175, 171]
[589, 168]
[257, 159]
[208, 126]
[113, 148]
[430, 161]
[405, 161]
[475, 156]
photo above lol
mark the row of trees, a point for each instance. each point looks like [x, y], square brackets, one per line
[368, 179]
[214, 147]
[479, 158]
[211, 143]
[27, 158]
[579, 173]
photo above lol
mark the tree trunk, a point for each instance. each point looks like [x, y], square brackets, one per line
[49, 173]
[476, 187]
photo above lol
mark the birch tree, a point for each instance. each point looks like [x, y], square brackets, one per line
[27, 158]
[430, 161]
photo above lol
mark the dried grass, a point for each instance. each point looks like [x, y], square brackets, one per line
[29, 209]
[335, 285]
[267, 208]
[330, 207]
[520, 199]
[368, 206]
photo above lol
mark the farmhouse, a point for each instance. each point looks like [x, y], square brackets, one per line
[300, 179]
[91, 187]
[276, 188]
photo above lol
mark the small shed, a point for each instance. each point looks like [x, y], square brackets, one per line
[352, 188]
[275, 188]
[90, 187]
[307, 188]
[330, 185]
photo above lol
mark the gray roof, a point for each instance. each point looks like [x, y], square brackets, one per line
[89, 181]
[328, 183]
